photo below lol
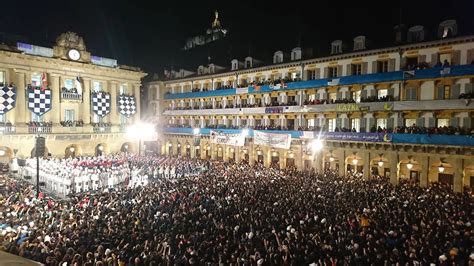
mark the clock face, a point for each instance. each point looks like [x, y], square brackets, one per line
[74, 54]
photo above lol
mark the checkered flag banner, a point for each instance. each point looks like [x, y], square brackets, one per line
[7, 99]
[127, 105]
[39, 100]
[101, 103]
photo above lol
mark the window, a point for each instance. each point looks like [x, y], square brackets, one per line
[293, 75]
[97, 86]
[447, 92]
[382, 93]
[336, 48]
[410, 122]
[331, 124]
[311, 122]
[248, 64]
[356, 69]
[2, 118]
[332, 72]
[69, 115]
[442, 122]
[332, 96]
[218, 85]
[311, 74]
[382, 123]
[2, 77]
[69, 83]
[36, 80]
[95, 118]
[355, 124]
[36, 118]
[234, 66]
[445, 57]
[123, 89]
[355, 95]
[382, 66]
[411, 62]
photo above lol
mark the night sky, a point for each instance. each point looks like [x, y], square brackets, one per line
[150, 34]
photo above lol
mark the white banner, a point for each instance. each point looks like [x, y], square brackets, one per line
[242, 90]
[308, 135]
[282, 141]
[228, 139]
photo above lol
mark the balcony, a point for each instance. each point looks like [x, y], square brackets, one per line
[424, 139]
[7, 129]
[71, 96]
[34, 129]
[102, 129]
[432, 73]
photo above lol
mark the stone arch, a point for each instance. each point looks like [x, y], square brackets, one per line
[354, 163]
[72, 150]
[6, 154]
[442, 172]
[127, 147]
[331, 161]
[413, 173]
[101, 149]
[33, 152]
[380, 166]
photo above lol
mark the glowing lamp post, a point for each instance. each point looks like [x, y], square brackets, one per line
[141, 131]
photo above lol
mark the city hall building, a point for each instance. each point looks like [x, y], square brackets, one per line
[81, 103]
[404, 112]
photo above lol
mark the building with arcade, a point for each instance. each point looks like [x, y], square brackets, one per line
[81, 103]
[403, 111]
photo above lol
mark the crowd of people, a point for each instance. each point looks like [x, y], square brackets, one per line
[237, 214]
[66, 176]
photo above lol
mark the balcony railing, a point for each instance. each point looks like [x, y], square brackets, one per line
[104, 129]
[7, 129]
[40, 129]
[453, 140]
[71, 96]
[436, 72]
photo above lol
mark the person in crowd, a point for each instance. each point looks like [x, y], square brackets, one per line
[240, 214]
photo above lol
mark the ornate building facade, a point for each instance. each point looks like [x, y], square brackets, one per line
[79, 102]
[403, 112]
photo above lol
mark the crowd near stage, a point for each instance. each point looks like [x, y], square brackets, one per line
[155, 210]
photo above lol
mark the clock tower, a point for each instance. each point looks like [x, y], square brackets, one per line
[70, 46]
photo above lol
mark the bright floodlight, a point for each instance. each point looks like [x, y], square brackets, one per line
[142, 131]
[245, 132]
[196, 131]
[317, 145]
[441, 168]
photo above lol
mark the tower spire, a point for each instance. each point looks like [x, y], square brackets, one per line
[216, 23]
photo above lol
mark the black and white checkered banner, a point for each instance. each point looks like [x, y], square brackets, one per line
[101, 103]
[39, 100]
[7, 99]
[126, 105]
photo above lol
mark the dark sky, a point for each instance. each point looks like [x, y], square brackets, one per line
[149, 34]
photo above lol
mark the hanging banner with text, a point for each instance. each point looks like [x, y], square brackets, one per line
[227, 139]
[282, 141]
[244, 90]
[349, 136]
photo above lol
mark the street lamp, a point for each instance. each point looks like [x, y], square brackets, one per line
[141, 132]
[409, 165]
[72, 150]
[2, 152]
[331, 159]
[441, 168]
[355, 161]
[380, 163]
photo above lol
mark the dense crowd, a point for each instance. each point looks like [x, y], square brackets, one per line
[236, 214]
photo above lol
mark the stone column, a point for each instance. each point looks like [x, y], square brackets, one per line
[282, 159]
[114, 119]
[319, 162]
[393, 163]
[251, 151]
[56, 105]
[86, 101]
[136, 93]
[458, 175]
[366, 158]
[424, 162]
[298, 156]
[340, 155]
[21, 96]
[213, 151]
